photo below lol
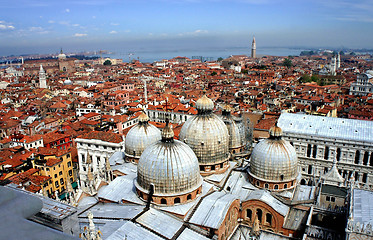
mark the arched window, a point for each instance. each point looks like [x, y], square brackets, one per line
[365, 177]
[282, 177]
[257, 183]
[366, 158]
[338, 154]
[189, 197]
[266, 186]
[302, 182]
[249, 213]
[176, 200]
[259, 213]
[357, 157]
[314, 152]
[269, 219]
[276, 186]
[309, 150]
[163, 201]
[285, 185]
[326, 153]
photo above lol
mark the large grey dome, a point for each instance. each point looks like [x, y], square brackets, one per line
[170, 165]
[274, 159]
[141, 136]
[206, 134]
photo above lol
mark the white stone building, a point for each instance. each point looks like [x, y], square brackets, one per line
[319, 140]
[94, 150]
[363, 85]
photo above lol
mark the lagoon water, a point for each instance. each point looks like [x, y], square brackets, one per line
[151, 55]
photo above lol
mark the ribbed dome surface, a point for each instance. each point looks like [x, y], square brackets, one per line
[139, 137]
[274, 160]
[236, 138]
[171, 166]
[208, 136]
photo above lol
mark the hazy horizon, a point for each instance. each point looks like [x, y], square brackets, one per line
[42, 26]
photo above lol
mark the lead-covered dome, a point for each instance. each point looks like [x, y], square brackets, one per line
[208, 136]
[171, 168]
[237, 133]
[139, 137]
[274, 162]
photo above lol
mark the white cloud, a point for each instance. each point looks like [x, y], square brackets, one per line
[67, 10]
[36, 29]
[113, 32]
[75, 25]
[6, 26]
[200, 31]
[196, 32]
[80, 35]
[114, 24]
[51, 21]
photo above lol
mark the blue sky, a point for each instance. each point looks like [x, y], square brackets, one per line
[44, 26]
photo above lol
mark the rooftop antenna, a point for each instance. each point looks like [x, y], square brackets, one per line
[145, 92]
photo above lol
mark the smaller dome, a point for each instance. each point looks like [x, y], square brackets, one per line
[139, 137]
[204, 104]
[61, 56]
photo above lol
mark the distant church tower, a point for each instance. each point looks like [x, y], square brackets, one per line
[338, 61]
[253, 49]
[42, 78]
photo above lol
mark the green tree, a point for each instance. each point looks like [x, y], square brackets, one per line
[315, 78]
[305, 78]
[213, 73]
[220, 59]
[107, 63]
[287, 62]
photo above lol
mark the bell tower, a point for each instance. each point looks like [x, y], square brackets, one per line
[253, 48]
